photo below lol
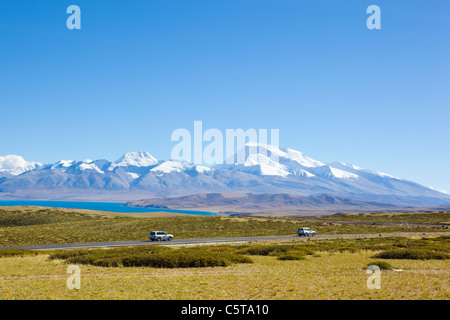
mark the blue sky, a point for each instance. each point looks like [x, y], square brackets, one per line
[137, 70]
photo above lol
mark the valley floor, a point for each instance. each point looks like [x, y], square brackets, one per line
[328, 276]
[336, 269]
[21, 226]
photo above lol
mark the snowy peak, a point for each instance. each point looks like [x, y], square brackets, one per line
[258, 164]
[62, 164]
[284, 155]
[16, 165]
[85, 165]
[361, 171]
[174, 166]
[136, 159]
[301, 159]
[266, 165]
[269, 160]
[170, 167]
[332, 172]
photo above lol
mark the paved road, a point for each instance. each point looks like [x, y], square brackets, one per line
[201, 241]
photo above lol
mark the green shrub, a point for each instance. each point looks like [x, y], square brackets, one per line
[413, 254]
[86, 255]
[84, 259]
[176, 260]
[383, 265]
[237, 258]
[274, 250]
[108, 262]
[65, 254]
[154, 256]
[224, 249]
[263, 250]
[6, 253]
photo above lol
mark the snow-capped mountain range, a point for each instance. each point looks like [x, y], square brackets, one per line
[137, 175]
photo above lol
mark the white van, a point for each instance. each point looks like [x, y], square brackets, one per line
[307, 232]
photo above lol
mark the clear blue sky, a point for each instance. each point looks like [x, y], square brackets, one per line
[137, 70]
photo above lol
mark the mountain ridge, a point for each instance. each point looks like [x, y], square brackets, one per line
[271, 204]
[140, 173]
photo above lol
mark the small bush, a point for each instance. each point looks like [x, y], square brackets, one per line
[383, 265]
[176, 260]
[263, 250]
[413, 254]
[223, 249]
[84, 259]
[274, 250]
[17, 253]
[237, 258]
[65, 254]
[109, 262]
[84, 256]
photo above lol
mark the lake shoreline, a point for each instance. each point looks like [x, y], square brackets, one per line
[116, 207]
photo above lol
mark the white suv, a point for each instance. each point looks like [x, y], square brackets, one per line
[160, 236]
[306, 232]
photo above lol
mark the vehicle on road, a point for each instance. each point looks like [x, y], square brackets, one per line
[160, 236]
[307, 232]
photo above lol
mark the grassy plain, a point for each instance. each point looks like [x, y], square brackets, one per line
[302, 268]
[400, 217]
[32, 226]
[336, 270]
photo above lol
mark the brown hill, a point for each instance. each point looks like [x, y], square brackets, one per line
[273, 204]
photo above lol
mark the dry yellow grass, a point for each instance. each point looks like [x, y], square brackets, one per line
[328, 276]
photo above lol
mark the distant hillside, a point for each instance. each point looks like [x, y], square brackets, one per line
[268, 204]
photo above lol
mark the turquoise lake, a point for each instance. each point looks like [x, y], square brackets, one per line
[98, 206]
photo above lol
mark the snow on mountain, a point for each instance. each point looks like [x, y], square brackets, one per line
[136, 159]
[16, 165]
[74, 166]
[340, 174]
[302, 173]
[286, 156]
[358, 170]
[62, 164]
[133, 175]
[203, 169]
[259, 164]
[89, 166]
[173, 166]
[170, 167]
[138, 172]
[299, 158]
[439, 190]
[269, 160]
